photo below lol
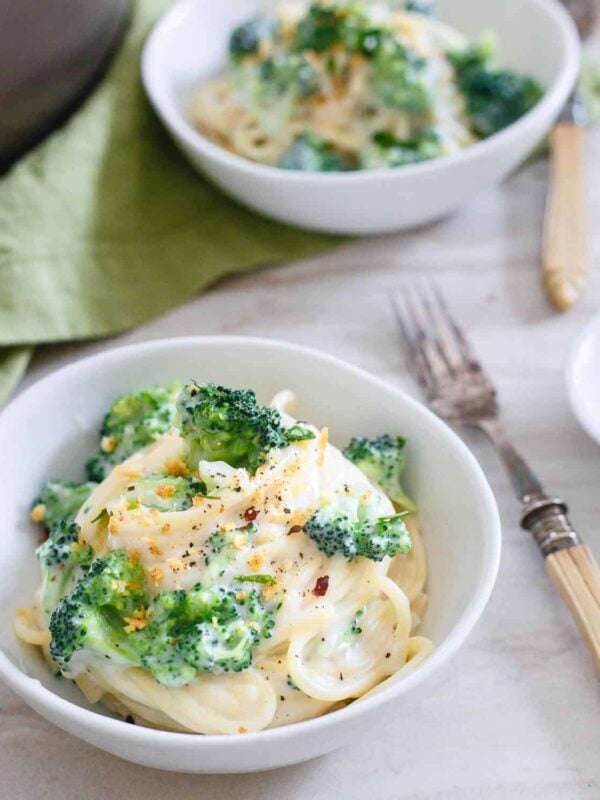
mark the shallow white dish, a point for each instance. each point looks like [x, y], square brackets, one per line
[49, 429]
[583, 379]
[189, 44]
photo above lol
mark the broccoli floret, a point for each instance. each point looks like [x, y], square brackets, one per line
[309, 153]
[63, 558]
[389, 151]
[133, 422]
[335, 532]
[386, 536]
[109, 616]
[325, 26]
[425, 7]
[62, 546]
[283, 73]
[320, 28]
[210, 629]
[494, 97]
[400, 78]
[497, 98]
[247, 38]
[382, 461]
[476, 56]
[59, 502]
[94, 617]
[221, 424]
[270, 88]
[164, 492]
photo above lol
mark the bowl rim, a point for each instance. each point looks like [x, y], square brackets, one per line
[60, 709]
[573, 373]
[176, 120]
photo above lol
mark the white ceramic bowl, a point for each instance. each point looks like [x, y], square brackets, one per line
[189, 44]
[583, 379]
[49, 429]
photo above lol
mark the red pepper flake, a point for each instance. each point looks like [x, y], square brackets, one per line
[250, 514]
[321, 586]
[295, 529]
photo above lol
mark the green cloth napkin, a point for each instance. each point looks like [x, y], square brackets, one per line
[104, 225]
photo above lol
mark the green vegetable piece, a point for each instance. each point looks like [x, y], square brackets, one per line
[282, 73]
[309, 153]
[221, 424]
[266, 579]
[320, 28]
[93, 617]
[334, 532]
[133, 421]
[476, 56]
[62, 546]
[61, 501]
[109, 616]
[298, 433]
[247, 38]
[495, 98]
[400, 78]
[395, 152]
[425, 7]
[382, 461]
[165, 492]
[206, 629]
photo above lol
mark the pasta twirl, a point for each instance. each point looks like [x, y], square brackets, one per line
[202, 603]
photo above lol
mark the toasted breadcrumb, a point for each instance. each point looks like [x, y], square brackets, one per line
[269, 591]
[152, 546]
[255, 561]
[156, 575]
[176, 467]
[136, 622]
[108, 444]
[166, 490]
[38, 512]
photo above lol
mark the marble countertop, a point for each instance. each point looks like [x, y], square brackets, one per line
[517, 712]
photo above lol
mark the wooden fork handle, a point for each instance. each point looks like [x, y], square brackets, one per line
[565, 259]
[570, 564]
[576, 574]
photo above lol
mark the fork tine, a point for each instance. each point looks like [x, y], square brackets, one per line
[409, 338]
[443, 335]
[464, 348]
[416, 363]
[423, 363]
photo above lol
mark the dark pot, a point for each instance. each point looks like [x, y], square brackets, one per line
[51, 52]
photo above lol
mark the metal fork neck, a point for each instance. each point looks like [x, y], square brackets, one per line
[544, 517]
[525, 484]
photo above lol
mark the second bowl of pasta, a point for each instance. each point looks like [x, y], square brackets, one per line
[356, 117]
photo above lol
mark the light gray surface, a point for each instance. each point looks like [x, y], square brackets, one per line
[517, 713]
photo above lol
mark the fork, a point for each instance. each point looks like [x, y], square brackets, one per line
[458, 390]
